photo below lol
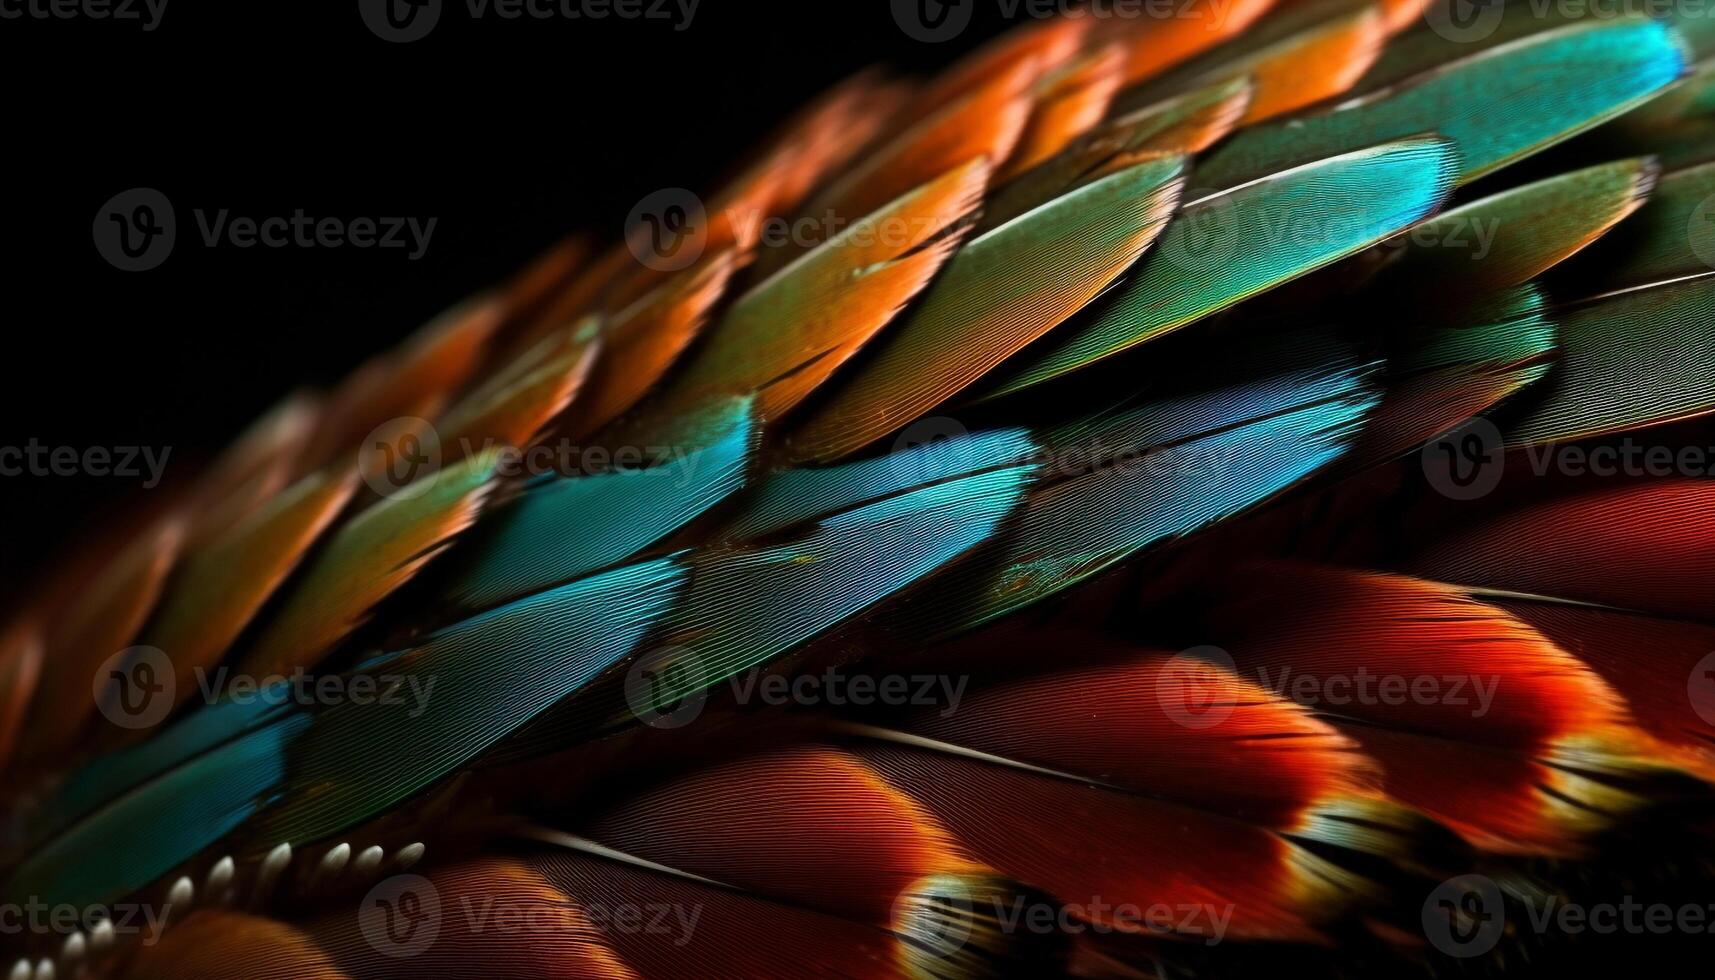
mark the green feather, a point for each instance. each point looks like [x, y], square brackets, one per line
[1230, 246]
[1499, 105]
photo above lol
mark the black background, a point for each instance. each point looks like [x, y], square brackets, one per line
[512, 133]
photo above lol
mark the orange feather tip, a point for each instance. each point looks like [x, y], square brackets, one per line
[1317, 65]
[788, 334]
[1206, 879]
[1174, 726]
[517, 414]
[415, 381]
[1044, 46]
[985, 124]
[1068, 105]
[644, 342]
[1157, 43]
[369, 558]
[1426, 671]
[965, 326]
[219, 587]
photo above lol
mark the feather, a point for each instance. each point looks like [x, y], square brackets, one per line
[484, 918]
[1045, 45]
[1655, 664]
[781, 825]
[1497, 105]
[560, 529]
[1449, 34]
[1323, 634]
[259, 465]
[1512, 237]
[219, 588]
[1221, 879]
[640, 345]
[1294, 59]
[368, 559]
[1643, 548]
[785, 336]
[1146, 474]
[1666, 240]
[1182, 125]
[991, 302]
[986, 124]
[1165, 726]
[1627, 361]
[516, 409]
[416, 381]
[1232, 245]
[1159, 42]
[1070, 103]
[221, 944]
[750, 603]
[99, 860]
[793, 497]
[1479, 354]
[98, 624]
